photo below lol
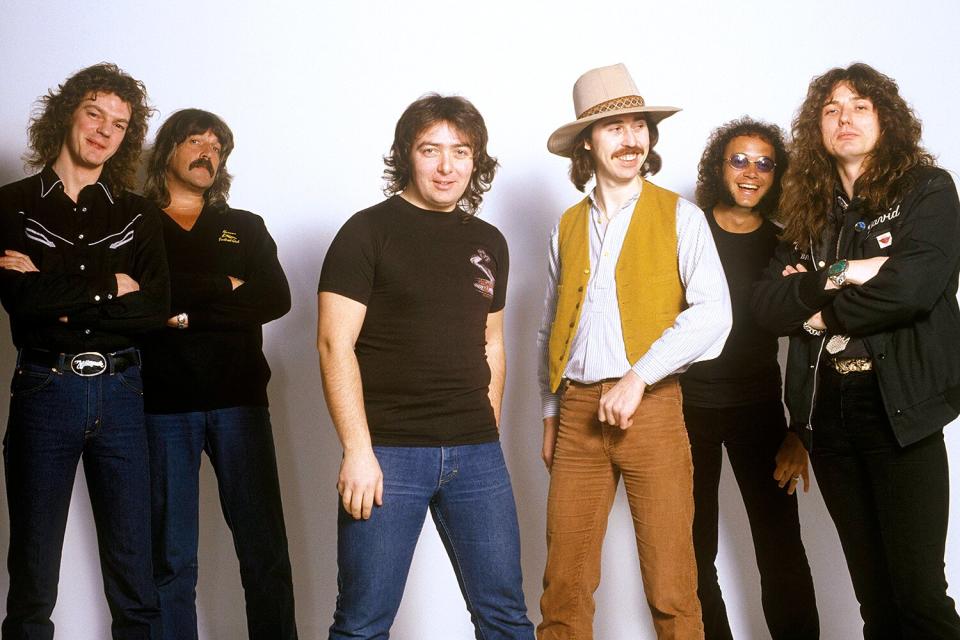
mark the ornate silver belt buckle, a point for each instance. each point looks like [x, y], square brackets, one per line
[88, 364]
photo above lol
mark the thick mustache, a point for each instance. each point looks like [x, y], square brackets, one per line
[202, 162]
[627, 150]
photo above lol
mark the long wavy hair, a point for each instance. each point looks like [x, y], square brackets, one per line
[809, 184]
[177, 128]
[462, 116]
[582, 166]
[53, 118]
[711, 188]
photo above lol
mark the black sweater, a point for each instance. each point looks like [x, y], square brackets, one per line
[217, 361]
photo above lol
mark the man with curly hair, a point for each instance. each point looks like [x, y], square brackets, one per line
[735, 402]
[83, 275]
[206, 378]
[865, 285]
[635, 294]
[410, 335]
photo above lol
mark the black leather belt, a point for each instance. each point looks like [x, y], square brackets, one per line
[87, 364]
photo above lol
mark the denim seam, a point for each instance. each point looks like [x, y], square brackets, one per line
[458, 569]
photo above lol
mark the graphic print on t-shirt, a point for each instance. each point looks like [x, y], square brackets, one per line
[481, 260]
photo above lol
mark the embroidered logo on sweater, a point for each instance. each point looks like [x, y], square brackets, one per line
[229, 236]
[482, 261]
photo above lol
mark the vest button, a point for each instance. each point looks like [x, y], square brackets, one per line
[580, 289]
[586, 272]
[571, 325]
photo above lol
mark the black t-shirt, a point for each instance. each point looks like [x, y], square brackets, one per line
[746, 372]
[428, 280]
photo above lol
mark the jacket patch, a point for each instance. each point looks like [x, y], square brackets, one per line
[884, 240]
[482, 261]
[229, 236]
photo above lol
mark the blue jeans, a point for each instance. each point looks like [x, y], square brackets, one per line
[467, 490]
[239, 443]
[55, 418]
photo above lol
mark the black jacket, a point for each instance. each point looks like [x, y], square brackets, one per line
[907, 315]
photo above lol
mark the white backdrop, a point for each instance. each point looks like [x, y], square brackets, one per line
[312, 91]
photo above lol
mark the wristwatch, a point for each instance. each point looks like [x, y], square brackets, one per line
[181, 321]
[837, 272]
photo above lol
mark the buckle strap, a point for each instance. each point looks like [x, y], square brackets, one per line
[843, 366]
[86, 364]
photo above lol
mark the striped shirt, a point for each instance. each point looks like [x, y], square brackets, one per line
[598, 351]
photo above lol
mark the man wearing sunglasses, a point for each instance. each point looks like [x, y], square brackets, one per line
[734, 401]
[635, 294]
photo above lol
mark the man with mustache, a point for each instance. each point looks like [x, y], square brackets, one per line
[82, 275]
[206, 381]
[635, 294]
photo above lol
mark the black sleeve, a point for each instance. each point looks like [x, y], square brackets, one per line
[263, 296]
[147, 308]
[923, 259]
[44, 295]
[350, 263]
[192, 290]
[781, 304]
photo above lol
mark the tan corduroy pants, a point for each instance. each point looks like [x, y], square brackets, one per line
[653, 456]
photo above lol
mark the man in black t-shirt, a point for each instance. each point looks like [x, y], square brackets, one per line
[205, 381]
[410, 335]
[82, 276]
[734, 401]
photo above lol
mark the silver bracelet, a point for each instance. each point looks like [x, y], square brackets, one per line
[811, 330]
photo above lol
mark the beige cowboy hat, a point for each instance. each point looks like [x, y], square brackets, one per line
[601, 93]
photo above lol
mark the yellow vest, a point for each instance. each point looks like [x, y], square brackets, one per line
[649, 292]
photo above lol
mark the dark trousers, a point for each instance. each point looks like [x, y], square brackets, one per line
[55, 418]
[752, 435]
[239, 443]
[890, 506]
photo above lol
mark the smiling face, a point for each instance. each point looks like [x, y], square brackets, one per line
[619, 147]
[849, 125]
[441, 164]
[747, 187]
[194, 163]
[97, 128]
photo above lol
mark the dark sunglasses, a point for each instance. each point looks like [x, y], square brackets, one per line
[740, 161]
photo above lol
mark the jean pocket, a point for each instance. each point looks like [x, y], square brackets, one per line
[28, 380]
[130, 378]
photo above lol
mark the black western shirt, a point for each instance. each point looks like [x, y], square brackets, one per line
[78, 248]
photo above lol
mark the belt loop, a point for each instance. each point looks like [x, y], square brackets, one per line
[63, 363]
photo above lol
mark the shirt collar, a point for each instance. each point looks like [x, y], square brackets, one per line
[49, 181]
[630, 202]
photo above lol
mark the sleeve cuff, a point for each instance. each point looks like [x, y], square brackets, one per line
[551, 404]
[811, 290]
[650, 371]
[831, 321]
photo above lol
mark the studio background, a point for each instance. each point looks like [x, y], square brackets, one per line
[312, 91]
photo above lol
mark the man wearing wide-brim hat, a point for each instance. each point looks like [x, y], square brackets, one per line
[635, 294]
